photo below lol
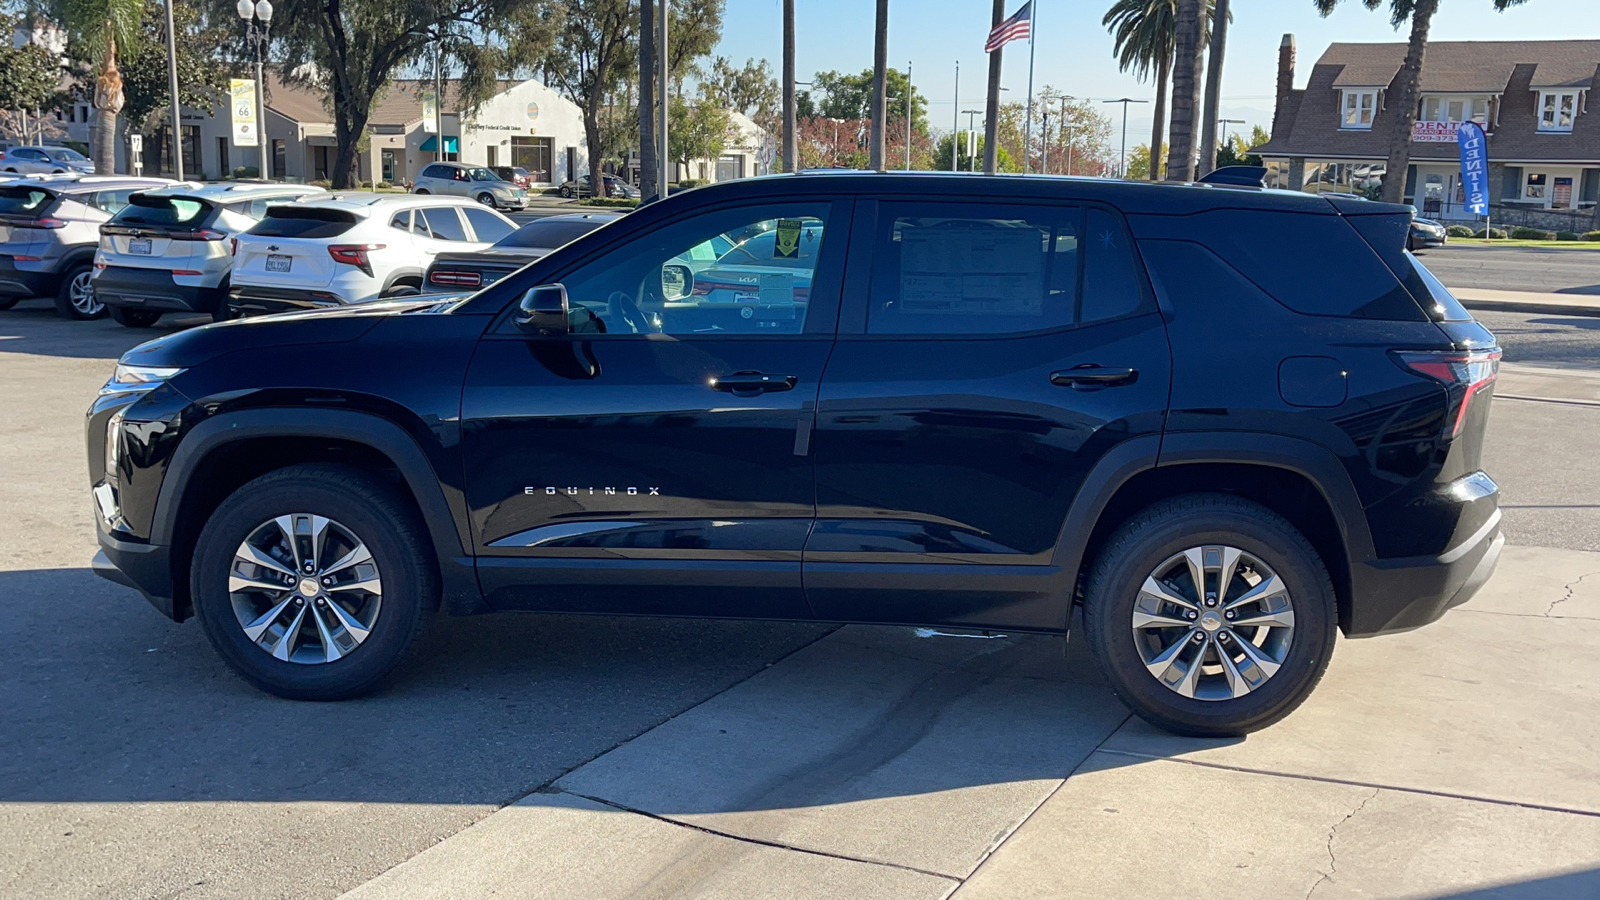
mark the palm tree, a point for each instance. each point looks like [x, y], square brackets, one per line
[649, 162]
[98, 27]
[1420, 13]
[1187, 61]
[1145, 32]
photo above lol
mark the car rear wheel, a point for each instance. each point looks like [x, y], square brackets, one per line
[134, 318]
[75, 298]
[313, 582]
[1211, 615]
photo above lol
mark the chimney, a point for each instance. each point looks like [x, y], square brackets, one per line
[1285, 79]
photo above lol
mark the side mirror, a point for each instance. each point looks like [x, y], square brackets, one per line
[543, 311]
[676, 281]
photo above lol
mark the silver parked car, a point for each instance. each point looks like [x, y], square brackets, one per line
[478, 182]
[49, 231]
[44, 161]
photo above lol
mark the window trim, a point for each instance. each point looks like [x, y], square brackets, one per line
[856, 303]
[1577, 96]
[1358, 94]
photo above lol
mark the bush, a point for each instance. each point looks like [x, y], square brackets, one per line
[1592, 236]
[1458, 231]
[321, 183]
[383, 185]
[366, 184]
[1568, 236]
[1496, 233]
[246, 172]
[688, 183]
[609, 201]
[1523, 233]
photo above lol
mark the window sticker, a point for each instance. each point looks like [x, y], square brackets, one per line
[971, 269]
[787, 246]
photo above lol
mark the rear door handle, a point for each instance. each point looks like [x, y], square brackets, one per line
[753, 383]
[1091, 377]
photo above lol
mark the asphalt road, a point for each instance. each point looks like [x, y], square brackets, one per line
[133, 764]
[1531, 269]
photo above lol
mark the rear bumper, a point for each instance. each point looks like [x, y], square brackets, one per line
[1393, 595]
[152, 289]
[20, 283]
[252, 301]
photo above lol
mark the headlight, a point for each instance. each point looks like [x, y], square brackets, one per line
[114, 442]
[128, 377]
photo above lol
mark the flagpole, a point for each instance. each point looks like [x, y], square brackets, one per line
[955, 126]
[1027, 130]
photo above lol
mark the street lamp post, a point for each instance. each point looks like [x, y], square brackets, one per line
[1122, 165]
[257, 16]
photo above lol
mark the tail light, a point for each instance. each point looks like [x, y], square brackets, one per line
[49, 223]
[354, 255]
[1463, 373]
[204, 234]
[456, 279]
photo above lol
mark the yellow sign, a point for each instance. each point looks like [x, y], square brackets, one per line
[242, 99]
[430, 113]
[788, 244]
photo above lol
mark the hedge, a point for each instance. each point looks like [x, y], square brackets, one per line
[1496, 233]
[1592, 236]
[1459, 231]
[1523, 233]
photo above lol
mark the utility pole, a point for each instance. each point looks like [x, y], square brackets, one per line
[661, 112]
[1122, 166]
[880, 86]
[791, 145]
[991, 122]
[177, 107]
[955, 125]
[909, 92]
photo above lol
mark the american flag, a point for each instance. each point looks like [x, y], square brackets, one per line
[1019, 26]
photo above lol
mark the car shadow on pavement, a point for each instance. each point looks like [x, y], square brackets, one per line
[34, 328]
[1569, 886]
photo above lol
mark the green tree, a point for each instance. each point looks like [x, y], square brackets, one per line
[699, 131]
[1407, 84]
[1138, 168]
[1059, 121]
[353, 49]
[835, 95]
[1235, 150]
[751, 90]
[972, 163]
[28, 78]
[96, 29]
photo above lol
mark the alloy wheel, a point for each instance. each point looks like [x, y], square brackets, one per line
[1213, 623]
[305, 589]
[81, 294]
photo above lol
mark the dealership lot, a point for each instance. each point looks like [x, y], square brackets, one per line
[563, 756]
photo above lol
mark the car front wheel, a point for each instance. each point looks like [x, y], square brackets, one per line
[75, 299]
[487, 199]
[1211, 615]
[313, 582]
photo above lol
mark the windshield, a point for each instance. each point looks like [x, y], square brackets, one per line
[67, 153]
[483, 175]
[548, 233]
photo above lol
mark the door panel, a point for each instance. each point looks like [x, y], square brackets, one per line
[640, 463]
[946, 464]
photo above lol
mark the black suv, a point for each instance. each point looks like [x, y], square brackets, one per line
[913, 399]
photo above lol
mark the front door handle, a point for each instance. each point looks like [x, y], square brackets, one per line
[753, 383]
[1090, 377]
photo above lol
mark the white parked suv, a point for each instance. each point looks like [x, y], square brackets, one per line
[477, 182]
[171, 249]
[350, 248]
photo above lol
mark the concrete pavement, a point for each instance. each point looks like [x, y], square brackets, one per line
[1528, 301]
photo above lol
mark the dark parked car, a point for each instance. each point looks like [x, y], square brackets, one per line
[1426, 233]
[517, 175]
[471, 270]
[616, 188]
[1010, 398]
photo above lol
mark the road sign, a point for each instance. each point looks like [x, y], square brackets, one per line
[136, 142]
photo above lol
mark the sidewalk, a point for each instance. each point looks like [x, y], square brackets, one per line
[1455, 761]
[1527, 302]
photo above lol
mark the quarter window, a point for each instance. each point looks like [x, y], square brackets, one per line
[1557, 110]
[442, 223]
[1359, 108]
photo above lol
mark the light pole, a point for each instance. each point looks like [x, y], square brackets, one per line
[956, 125]
[176, 103]
[1223, 127]
[1122, 166]
[972, 152]
[257, 16]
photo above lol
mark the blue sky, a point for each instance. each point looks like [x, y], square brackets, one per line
[1075, 51]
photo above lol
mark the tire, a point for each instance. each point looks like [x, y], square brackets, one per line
[566, 192]
[134, 318]
[1142, 548]
[223, 312]
[8, 301]
[487, 199]
[422, 191]
[75, 298]
[360, 511]
[402, 289]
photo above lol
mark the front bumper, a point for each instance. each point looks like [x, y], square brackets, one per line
[153, 289]
[1393, 595]
[255, 301]
[147, 568]
[22, 283]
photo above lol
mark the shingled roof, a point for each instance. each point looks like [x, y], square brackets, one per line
[1308, 123]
